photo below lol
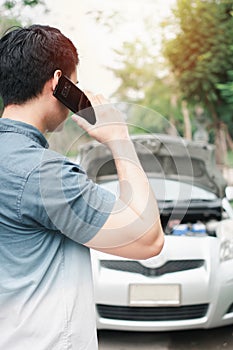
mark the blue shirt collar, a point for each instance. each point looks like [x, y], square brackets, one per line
[9, 125]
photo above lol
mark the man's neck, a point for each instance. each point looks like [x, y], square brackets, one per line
[27, 113]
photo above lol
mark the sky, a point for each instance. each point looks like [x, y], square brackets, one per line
[94, 42]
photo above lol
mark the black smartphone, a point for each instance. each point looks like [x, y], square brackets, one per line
[74, 99]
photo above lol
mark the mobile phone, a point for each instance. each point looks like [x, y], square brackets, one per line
[74, 99]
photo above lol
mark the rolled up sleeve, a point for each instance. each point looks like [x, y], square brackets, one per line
[59, 196]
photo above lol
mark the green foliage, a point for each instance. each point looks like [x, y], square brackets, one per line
[135, 69]
[227, 93]
[227, 89]
[7, 22]
[15, 9]
[143, 85]
[10, 4]
[201, 58]
[201, 55]
[230, 158]
[11, 12]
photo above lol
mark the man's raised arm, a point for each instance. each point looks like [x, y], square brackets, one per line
[133, 228]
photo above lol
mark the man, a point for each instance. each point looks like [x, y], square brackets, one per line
[51, 213]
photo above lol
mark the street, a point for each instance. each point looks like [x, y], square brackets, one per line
[213, 339]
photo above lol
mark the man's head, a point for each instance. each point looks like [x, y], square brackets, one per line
[28, 59]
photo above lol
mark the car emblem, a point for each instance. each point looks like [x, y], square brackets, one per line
[154, 262]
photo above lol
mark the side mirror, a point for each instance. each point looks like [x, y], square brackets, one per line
[229, 193]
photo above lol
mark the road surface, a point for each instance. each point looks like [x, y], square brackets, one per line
[214, 339]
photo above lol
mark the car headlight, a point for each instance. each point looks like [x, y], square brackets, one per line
[226, 250]
[224, 232]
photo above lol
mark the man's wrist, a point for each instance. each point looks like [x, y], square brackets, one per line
[121, 147]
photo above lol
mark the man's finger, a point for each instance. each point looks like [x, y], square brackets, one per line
[82, 123]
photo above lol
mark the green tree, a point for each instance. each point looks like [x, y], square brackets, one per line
[145, 81]
[227, 89]
[18, 5]
[201, 57]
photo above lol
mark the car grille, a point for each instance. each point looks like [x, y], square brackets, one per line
[187, 312]
[135, 267]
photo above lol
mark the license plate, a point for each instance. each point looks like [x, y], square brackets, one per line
[154, 295]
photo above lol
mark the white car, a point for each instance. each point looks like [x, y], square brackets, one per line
[190, 284]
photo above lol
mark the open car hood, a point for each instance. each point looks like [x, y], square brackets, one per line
[163, 156]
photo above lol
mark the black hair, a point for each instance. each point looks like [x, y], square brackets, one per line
[28, 59]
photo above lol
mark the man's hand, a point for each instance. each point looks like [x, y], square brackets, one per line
[110, 123]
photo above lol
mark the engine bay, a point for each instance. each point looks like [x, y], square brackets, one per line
[191, 219]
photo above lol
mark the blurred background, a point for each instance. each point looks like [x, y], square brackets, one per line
[172, 57]
[172, 61]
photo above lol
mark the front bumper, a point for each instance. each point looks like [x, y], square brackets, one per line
[206, 298]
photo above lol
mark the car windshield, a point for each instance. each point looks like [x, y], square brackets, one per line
[170, 190]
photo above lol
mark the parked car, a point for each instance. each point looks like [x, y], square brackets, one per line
[190, 284]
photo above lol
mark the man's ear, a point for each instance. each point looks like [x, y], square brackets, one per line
[57, 74]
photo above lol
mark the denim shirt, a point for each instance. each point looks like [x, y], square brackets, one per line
[48, 210]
